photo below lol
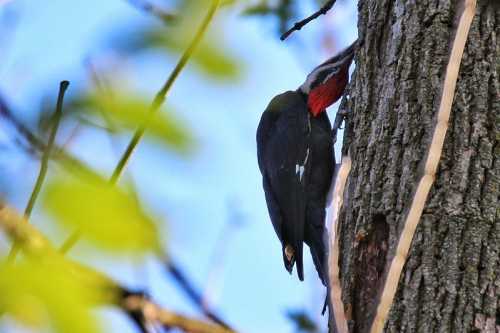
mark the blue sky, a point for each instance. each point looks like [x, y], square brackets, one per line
[190, 195]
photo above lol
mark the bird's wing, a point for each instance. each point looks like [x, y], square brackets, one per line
[265, 129]
[286, 167]
[320, 178]
[272, 206]
[266, 126]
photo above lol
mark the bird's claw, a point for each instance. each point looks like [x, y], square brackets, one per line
[337, 124]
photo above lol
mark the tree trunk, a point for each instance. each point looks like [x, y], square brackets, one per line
[451, 279]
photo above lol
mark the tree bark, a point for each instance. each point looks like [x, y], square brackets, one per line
[451, 279]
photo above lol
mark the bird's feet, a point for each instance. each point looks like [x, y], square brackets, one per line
[339, 118]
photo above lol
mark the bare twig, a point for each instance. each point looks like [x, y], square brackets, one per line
[154, 313]
[58, 153]
[44, 163]
[430, 168]
[154, 10]
[299, 25]
[46, 154]
[22, 129]
[333, 258]
[193, 294]
[157, 103]
[35, 244]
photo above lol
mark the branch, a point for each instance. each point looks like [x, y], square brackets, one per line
[44, 164]
[34, 243]
[193, 294]
[154, 10]
[299, 25]
[22, 129]
[58, 153]
[333, 258]
[430, 168]
[156, 104]
[168, 319]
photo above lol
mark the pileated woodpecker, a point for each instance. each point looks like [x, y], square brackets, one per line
[297, 161]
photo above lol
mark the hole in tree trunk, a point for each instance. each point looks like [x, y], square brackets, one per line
[370, 265]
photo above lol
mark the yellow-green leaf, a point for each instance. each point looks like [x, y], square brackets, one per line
[106, 215]
[44, 292]
[130, 111]
[210, 56]
[212, 60]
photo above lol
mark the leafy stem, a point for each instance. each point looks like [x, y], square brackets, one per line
[63, 86]
[155, 105]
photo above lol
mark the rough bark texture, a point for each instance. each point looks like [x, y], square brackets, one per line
[451, 280]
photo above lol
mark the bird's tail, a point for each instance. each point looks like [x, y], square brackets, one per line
[316, 240]
[300, 262]
[294, 232]
[294, 255]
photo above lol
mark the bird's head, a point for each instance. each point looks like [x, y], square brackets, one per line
[326, 83]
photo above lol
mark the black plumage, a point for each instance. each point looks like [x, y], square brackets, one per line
[296, 159]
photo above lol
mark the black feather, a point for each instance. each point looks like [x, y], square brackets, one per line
[295, 158]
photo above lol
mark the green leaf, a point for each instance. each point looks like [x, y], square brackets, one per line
[107, 216]
[130, 111]
[36, 291]
[262, 8]
[210, 57]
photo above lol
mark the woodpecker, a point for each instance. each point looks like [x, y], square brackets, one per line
[297, 161]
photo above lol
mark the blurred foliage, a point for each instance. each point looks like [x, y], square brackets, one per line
[119, 111]
[106, 215]
[39, 292]
[158, 11]
[284, 10]
[211, 56]
[302, 321]
[125, 111]
[42, 290]
[287, 12]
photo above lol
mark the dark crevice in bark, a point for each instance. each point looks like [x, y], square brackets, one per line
[372, 249]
